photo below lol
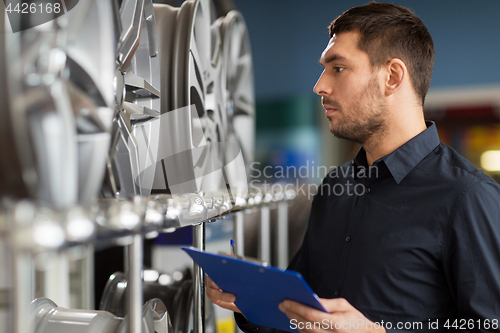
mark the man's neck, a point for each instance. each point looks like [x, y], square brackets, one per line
[395, 135]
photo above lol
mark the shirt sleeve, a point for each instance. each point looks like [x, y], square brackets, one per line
[472, 255]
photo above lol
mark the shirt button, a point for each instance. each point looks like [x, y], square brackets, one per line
[337, 293]
[348, 239]
[368, 190]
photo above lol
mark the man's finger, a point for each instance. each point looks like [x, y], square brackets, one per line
[333, 305]
[215, 294]
[227, 305]
[295, 309]
[220, 298]
[301, 323]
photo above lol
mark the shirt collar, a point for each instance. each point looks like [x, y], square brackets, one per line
[401, 161]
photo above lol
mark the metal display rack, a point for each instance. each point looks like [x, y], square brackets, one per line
[30, 230]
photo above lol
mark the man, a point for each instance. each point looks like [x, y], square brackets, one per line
[419, 248]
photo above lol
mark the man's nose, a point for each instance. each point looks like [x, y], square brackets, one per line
[321, 88]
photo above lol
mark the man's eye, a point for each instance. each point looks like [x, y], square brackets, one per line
[338, 69]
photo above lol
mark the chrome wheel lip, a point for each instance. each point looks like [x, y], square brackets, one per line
[204, 74]
[188, 130]
[39, 308]
[13, 159]
[239, 126]
[48, 317]
[114, 294]
[166, 18]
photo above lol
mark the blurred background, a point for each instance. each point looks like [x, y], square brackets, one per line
[288, 37]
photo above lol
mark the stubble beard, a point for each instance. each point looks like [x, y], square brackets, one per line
[364, 119]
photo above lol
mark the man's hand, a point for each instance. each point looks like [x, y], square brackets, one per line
[220, 298]
[342, 317]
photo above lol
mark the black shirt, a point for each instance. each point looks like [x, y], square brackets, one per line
[414, 238]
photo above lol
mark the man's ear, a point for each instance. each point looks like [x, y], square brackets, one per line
[396, 73]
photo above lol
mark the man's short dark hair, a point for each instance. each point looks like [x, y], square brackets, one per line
[390, 31]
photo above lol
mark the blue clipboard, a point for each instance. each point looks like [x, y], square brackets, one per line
[258, 289]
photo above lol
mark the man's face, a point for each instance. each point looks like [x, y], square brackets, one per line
[350, 90]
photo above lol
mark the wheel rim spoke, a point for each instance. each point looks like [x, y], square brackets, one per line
[137, 55]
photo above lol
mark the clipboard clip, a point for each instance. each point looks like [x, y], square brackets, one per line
[254, 260]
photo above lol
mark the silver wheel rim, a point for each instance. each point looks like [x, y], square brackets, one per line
[192, 135]
[239, 98]
[136, 128]
[205, 92]
[60, 114]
